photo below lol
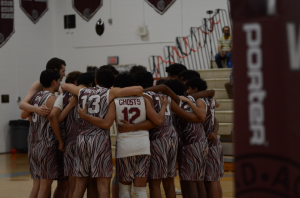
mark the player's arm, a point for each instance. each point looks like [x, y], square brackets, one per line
[66, 111]
[71, 88]
[123, 92]
[217, 104]
[99, 122]
[156, 118]
[203, 94]
[26, 105]
[54, 121]
[127, 127]
[166, 90]
[24, 114]
[190, 117]
[199, 109]
[213, 135]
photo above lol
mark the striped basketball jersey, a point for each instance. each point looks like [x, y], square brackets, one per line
[210, 115]
[189, 132]
[41, 130]
[166, 129]
[133, 110]
[97, 102]
[70, 123]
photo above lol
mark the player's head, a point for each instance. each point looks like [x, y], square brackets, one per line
[105, 78]
[144, 79]
[50, 78]
[161, 81]
[125, 79]
[188, 74]
[58, 65]
[111, 68]
[195, 85]
[136, 69]
[72, 77]
[174, 71]
[86, 79]
[176, 86]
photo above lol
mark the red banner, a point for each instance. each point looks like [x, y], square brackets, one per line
[266, 63]
[160, 6]
[87, 8]
[34, 9]
[6, 20]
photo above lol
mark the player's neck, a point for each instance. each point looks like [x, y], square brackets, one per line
[50, 89]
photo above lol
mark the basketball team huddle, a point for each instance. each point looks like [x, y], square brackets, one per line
[160, 129]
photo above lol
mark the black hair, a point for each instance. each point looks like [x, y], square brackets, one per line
[225, 27]
[55, 63]
[188, 74]
[161, 81]
[72, 77]
[105, 78]
[136, 69]
[176, 69]
[144, 79]
[197, 82]
[111, 68]
[85, 79]
[47, 77]
[176, 86]
[125, 79]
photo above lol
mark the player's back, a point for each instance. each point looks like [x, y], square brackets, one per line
[40, 129]
[166, 129]
[208, 124]
[132, 109]
[97, 102]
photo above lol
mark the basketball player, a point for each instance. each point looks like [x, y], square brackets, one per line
[132, 161]
[214, 166]
[188, 74]
[93, 143]
[65, 114]
[44, 156]
[175, 70]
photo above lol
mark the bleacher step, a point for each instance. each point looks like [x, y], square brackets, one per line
[214, 73]
[225, 128]
[228, 148]
[224, 116]
[220, 93]
[225, 105]
[217, 82]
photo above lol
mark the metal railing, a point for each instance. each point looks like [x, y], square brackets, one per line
[197, 50]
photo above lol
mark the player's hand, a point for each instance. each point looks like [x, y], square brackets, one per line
[82, 112]
[125, 127]
[73, 101]
[212, 136]
[184, 99]
[43, 110]
[60, 91]
[163, 101]
[61, 146]
[30, 118]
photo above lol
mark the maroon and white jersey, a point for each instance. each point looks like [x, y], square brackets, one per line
[70, 123]
[166, 129]
[41, 130]
[97, 104]
[189, 132]
[210, 115]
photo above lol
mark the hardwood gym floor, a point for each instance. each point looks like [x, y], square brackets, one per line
[15, 180]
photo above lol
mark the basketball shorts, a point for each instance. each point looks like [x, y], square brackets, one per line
[94, 158]
[193, 161]
[69, 159]
[214, 164]
[34, 165]
[163, 158]
[134, 166]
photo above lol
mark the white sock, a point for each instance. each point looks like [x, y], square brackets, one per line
[140, 192]
[124, 191]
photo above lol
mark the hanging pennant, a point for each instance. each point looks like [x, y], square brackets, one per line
[87, 8]
[6, 20]
[34, 9]
[160, 6]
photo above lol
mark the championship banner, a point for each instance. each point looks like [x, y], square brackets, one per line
[160, 6]
[6, 20]
[34, 9]
[87, 8]
[266, 63]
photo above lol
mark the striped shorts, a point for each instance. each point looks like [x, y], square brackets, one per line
[94, 158]
[193, 161]
[69, 159]
[134, 166]
[163, 158]
[215, 164]
[34, 165]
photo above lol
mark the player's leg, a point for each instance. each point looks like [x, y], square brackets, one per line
[81, 184]
[140, 186]
[125, 189]
[141, 171]
[72, 184]
[169, 187]
[220, 189]
[115, 187]
[35, 188]
[212, 189]
[45, 188]
[201, 189]
[154, 187]
[62, 189]
[103, 186]
[184, 188]
[92, 191]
